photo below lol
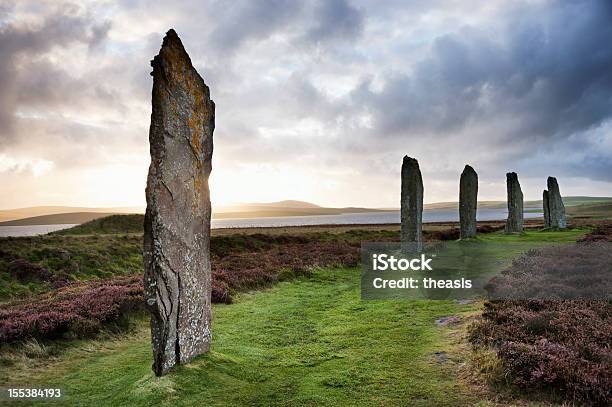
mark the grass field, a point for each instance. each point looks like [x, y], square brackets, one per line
[309, 341]
[601, 210]
[67, 257]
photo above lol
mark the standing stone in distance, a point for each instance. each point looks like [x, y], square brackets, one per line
[411, 206]
[546, 207]
[514, 224]
[177, 277]
[468, 199]
[556, 209]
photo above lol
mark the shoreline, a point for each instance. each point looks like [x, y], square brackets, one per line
[329, 228]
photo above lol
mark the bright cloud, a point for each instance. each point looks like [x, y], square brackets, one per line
[316, 100]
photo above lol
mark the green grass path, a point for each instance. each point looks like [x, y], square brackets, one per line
[306, 342]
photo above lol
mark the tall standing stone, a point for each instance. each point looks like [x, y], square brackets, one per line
[556, 209]
[411, 205]
[546, 207]
[177, 278]
[468, 200]
[514, 224]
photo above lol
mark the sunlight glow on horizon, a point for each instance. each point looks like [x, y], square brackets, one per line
[123, 185]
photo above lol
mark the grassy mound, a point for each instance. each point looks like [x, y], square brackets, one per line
[107, 225]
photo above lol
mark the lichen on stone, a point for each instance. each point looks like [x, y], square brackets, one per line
[177, 221]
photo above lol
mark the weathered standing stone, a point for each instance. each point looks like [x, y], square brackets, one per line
[514, 224]
[546, 207]
[468, 199]
[556, 209]
[177, 279]
[411, 205]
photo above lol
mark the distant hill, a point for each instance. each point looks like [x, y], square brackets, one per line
[568, 201]
[265, 212]
[582, 200]
[48, 215]
[134, 223]
[57, 219]
[82, 217]
[591, 211]
[37, 215]
[22, 213]
[264, 206]
[293, 204]
[455, 205]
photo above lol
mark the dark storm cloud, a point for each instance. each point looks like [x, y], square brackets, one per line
[547, 70]
[99, 33]
[252, 21]
[26, 76]
[553, 72]
[67, 24]
[335, 19]
[305, 22]
[48, 86]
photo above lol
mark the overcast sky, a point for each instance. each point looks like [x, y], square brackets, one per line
[316, 100]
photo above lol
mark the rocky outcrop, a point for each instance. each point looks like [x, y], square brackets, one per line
[177, 278]
[556, 209]
[411, 205]
[468, 198]
[514, 223]
[546, 207]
